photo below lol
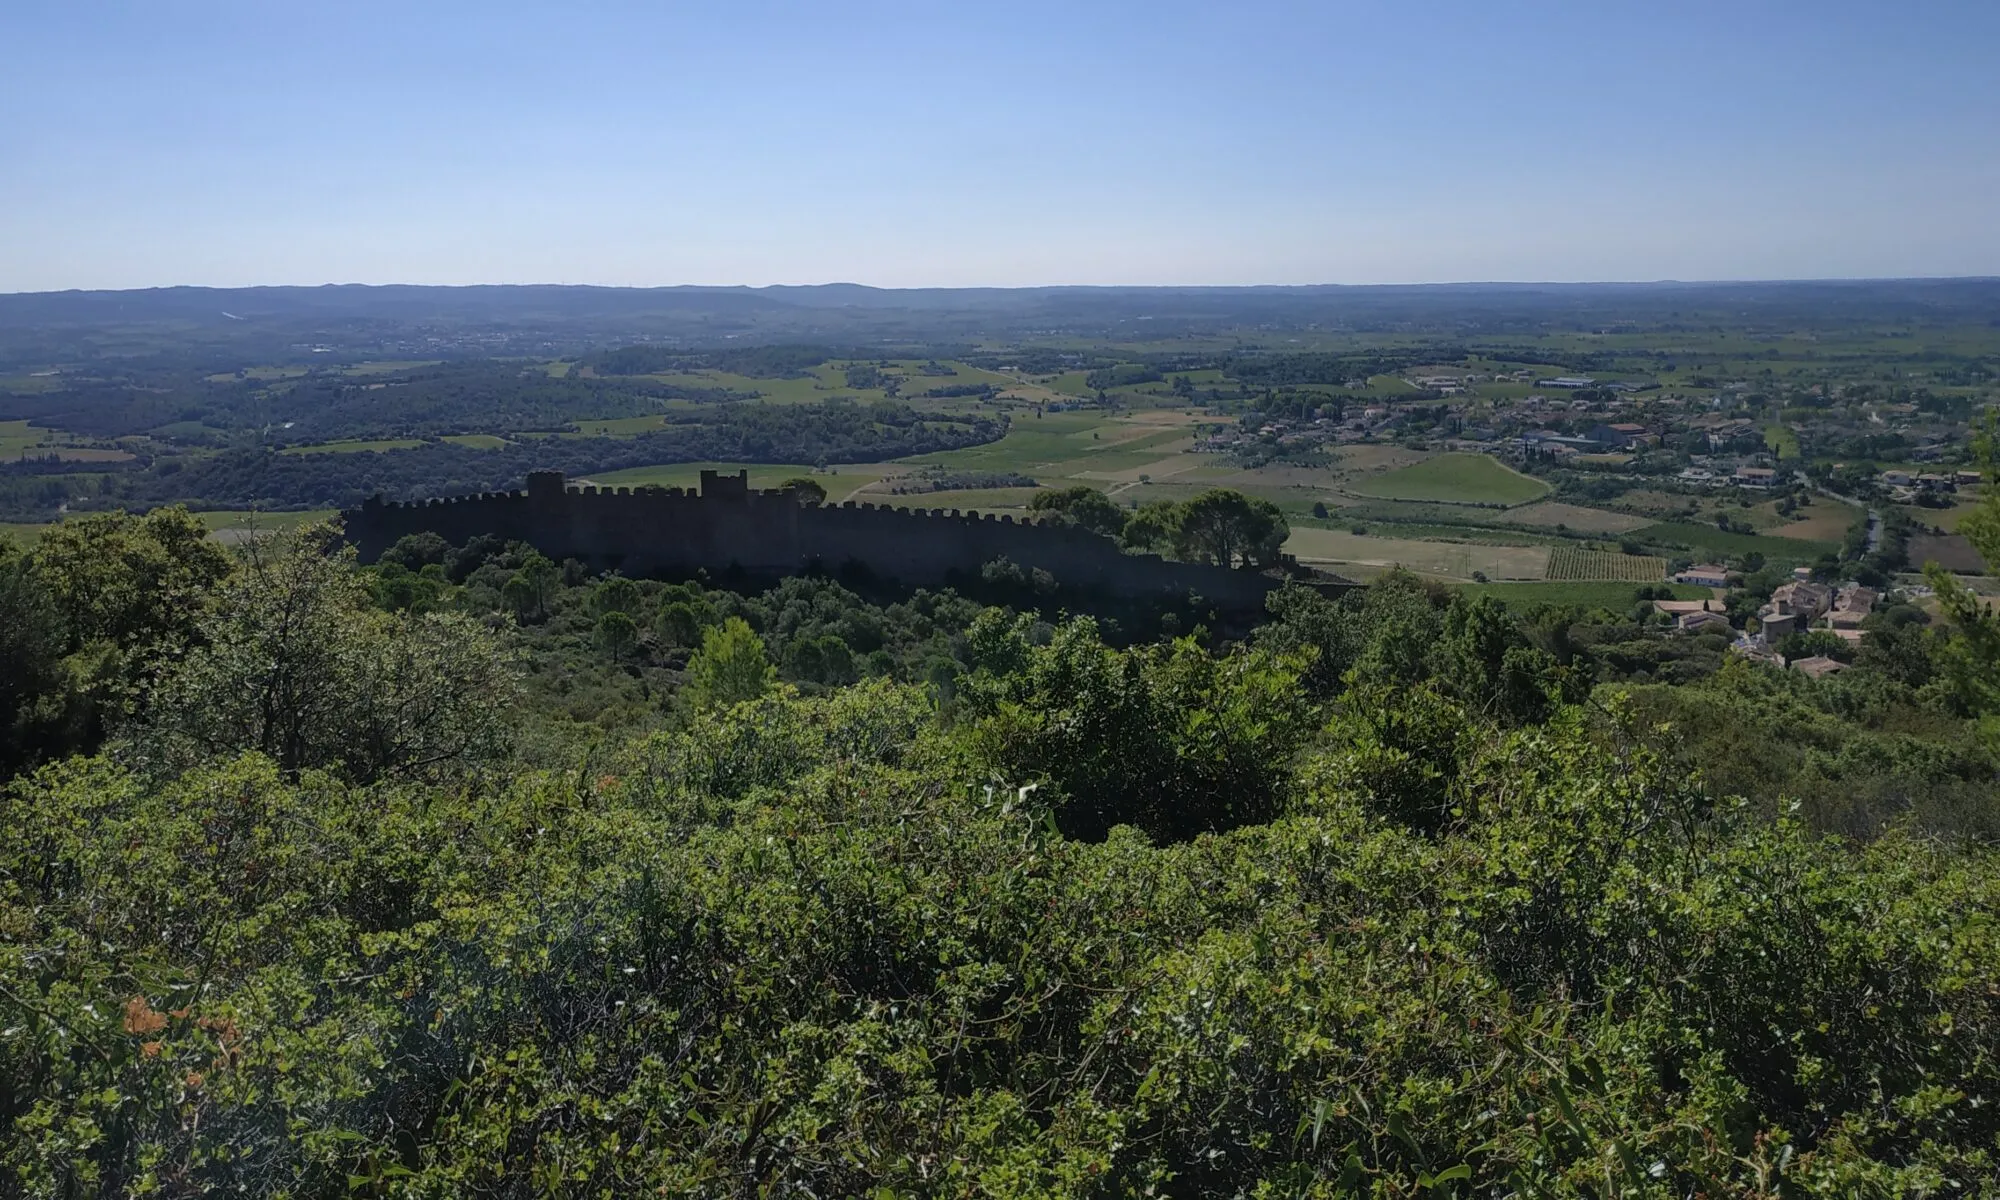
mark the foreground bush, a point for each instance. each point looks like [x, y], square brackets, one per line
[813, 946]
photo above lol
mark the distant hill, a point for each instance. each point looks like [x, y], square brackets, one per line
[573, 303]
[273, 324]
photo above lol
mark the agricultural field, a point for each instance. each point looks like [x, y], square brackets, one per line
[1453, 560]
[19, 439]
[829, 381]
[387, 366]
[32, 383]
[841, 483]
[1568, 564]
[234, 526]
[259, 374]
[617, 427]
[1417, 504]
[1825, 521]
[1069, 383]
[1371, 459]
[1656, 504]
[1950, 551]
[1454, 479]
[981, 499]
[17, 436]
[1555, 514]
[1063, 445]
[1946, 519]
[1424, 531]
[1784, 442]
[1615, 597]
[231, 527]
[1708, 540]
[96, 454]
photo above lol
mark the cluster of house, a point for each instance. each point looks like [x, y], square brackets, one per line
[1598, 439]
[1726, 440]
[1793, 608]
[1354, 425]
[1744, 477]
[1548, 426]
[1905, 486]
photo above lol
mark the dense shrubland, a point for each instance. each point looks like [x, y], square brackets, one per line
[472, 873]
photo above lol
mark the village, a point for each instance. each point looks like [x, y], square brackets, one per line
[1802, 606]
[1708, 438]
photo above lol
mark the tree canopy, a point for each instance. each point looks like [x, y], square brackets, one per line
[1082, 506]
[470, 872]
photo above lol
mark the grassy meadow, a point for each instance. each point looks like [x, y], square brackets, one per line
[1454, 479]
[1454, 560]
[1707, 539]
[20, 439]
[477, 441]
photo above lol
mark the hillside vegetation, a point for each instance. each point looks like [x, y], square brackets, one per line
[472, 873]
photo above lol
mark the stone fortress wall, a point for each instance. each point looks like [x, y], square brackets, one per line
[726, 525]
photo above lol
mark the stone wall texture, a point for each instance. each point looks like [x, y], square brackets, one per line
[727, 525]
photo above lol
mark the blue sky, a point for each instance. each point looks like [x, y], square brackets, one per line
[953, 143]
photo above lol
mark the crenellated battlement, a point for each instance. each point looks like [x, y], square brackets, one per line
[727, 525]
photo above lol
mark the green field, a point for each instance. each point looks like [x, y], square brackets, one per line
[829, 381]
[840, 482]
[355, 446]
[228, 525]
[1707, 539]
[258, 374]
[1552, 513]
[388, 367]
[1614, 596]
[1454, 479]
[231, 518]
[982, 499]
[1033, 445]
[1456, 560]
[234, 527]
[618, 427]
[1783, 442]
[17, 436]
[1057, 448]
[477, 441]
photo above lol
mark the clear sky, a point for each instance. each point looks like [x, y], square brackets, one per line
[1001, 142]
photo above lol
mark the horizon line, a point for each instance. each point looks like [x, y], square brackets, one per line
[1031, 287]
